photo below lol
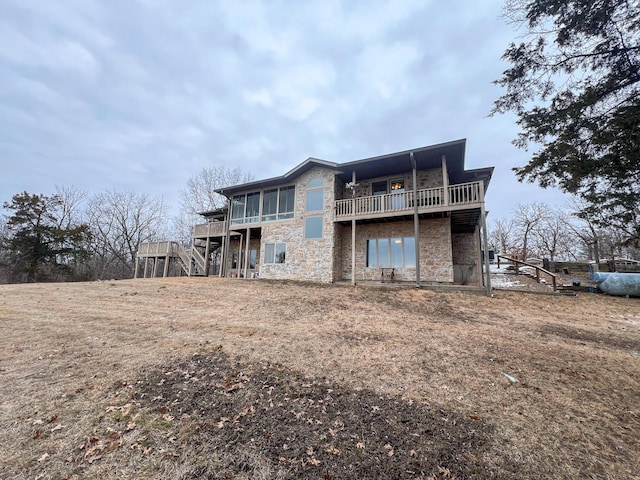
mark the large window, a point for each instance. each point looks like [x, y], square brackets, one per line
[278, 203]
[391, 252]
[315, 196]
[275, 252]
[245, 208]
[313, 227]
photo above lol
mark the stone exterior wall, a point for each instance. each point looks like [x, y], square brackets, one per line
[306, 259]
[466, 258]
[443, 257]
[436, 262]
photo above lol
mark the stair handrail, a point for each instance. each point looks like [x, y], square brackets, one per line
[538, 269]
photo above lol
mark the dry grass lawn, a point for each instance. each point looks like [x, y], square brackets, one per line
[217, 378]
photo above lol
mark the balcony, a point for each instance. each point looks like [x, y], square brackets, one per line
[157, 249]
[210, 229]
[430, 200]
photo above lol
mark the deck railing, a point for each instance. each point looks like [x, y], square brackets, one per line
[427, 199]
[157, 248]
[209, 229]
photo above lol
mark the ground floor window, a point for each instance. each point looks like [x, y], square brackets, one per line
[399, 252]
[275, 252]
[253, 258]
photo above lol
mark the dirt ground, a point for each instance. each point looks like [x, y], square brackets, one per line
[230, 379]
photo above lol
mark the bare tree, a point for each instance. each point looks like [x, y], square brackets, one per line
[70, 211]
[199, 195]
[120, 221]
[527, 218]
[501, 236]
[552, 235]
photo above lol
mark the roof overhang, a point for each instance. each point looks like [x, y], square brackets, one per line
[308, 164]
[426, 158]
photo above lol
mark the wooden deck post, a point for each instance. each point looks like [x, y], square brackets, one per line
[416, 218]
[146, 264]
[167, 259]
[135, 272]
[445, 179]
[207, 254]
[485, 241]
[246, 254]
[353, 231]
[222, 256]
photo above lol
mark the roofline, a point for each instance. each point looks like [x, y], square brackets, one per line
[461, 141]
[228, 190]
[459, 146]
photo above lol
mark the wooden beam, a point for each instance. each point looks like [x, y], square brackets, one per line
[416, 219]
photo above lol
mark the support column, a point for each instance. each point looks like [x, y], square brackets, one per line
[155, 267]
[416, 219]
[445, 179]
[246, 254]
[146, 263]
[207, 254]
[225, 251]
[135, 272]
[353, 229]
[223, 243]
[483, 219]
[167, 259]
[239, 264]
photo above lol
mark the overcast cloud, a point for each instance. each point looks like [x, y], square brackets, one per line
[140, 95]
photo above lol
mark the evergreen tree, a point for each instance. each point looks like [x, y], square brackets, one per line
[575, 86]
[40, 247]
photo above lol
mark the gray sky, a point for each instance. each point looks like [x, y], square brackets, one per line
[139, 95]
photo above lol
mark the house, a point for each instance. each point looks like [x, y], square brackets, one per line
[415, 216]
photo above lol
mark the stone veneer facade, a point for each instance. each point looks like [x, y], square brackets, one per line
[436, 263]
[444, 257]
[466, 258]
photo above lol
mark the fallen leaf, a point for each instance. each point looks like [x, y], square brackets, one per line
[45, 456]
[360, 445]
[332, 451]
[37, 434]
[56, 428]
[389, 450]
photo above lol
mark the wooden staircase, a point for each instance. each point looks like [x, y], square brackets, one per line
[192, 261]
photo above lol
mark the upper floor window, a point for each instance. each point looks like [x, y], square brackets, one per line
[379, 188]
[315, 183]
[278, 203]
[245, 208]
[313, 227]
[315, 195]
